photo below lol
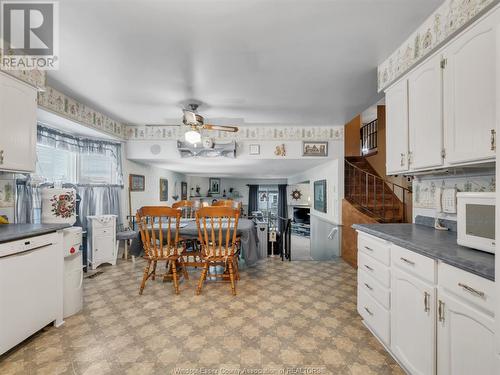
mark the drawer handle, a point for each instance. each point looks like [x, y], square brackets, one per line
[368, 311]
[368, 267]
[408, 261]
[368, 248]
[471, 290]
[368, 286]
[426, 302]
[441, 311]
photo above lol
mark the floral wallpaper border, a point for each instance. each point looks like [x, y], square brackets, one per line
[32, 77]
[245, 133]
[62, 104]
[442, 24]
[424, 190]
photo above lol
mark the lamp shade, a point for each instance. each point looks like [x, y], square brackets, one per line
[192, 136]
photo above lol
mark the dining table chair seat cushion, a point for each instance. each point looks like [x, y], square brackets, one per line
[168, 252]
[216, 252]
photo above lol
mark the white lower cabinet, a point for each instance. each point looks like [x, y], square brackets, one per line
[466, 338]
[102, 240]
[413, 321]
[434, 318]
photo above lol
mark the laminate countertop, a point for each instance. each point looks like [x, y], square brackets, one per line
[13, 232]
[435, 244]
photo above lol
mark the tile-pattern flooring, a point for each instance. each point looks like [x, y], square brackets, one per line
[286, 315]
[301, 248]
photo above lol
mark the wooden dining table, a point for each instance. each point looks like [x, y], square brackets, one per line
[247, 231]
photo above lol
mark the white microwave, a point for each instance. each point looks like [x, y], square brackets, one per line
[476, 221]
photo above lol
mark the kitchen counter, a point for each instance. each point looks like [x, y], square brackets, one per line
[439, 245]
[12, 232]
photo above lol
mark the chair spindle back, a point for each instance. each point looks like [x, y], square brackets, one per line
[217, 229]
[186, 207]
[159, 228]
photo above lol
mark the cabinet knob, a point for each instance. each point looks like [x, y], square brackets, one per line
[493, 139]
[1, 156]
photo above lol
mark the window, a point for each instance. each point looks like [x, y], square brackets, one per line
[55, 165]
[98, 169]
[268, 200]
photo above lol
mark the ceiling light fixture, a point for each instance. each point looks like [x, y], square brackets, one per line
[192, 136]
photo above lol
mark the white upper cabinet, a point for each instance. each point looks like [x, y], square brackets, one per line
[445, 111]
[466, 338]
[425, 115]
[18, 104]
[413, 323]
[396, 98]
[470, 97]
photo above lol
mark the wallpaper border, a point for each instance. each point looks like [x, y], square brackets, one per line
[446, 21]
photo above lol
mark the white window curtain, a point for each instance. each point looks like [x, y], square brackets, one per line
[94, 198]
[88, 149]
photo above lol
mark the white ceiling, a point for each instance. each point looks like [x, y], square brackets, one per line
[303, 62]
[239, 168]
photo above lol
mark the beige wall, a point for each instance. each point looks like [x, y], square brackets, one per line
[151, 194]
[351, 137]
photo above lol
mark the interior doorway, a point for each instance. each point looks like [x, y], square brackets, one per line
[299, 212]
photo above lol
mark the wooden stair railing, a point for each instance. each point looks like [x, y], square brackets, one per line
[380, 198]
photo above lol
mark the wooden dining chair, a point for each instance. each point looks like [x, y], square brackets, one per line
[159, 228]
[191, 252]
[217, 228]
[187, 208]
[223, 203]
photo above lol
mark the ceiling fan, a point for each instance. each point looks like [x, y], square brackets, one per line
[196, 122]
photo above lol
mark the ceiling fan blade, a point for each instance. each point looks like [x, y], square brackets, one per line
[222, 128]
[157, 125]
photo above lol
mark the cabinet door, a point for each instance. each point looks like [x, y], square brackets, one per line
[425, 115]
[396, 100]
[466, 339]
[17, 125]
[413, 323]
[470, 94]
[103, 249]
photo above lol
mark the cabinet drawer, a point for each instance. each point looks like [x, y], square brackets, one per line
[105, 231]
[472, 288]
[373, 288]
[375, 247]
[375, 269]
[105, 223]
[29, 243]
[419, 265]
[375, 316]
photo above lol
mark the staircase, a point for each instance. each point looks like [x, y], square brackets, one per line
[368, 192]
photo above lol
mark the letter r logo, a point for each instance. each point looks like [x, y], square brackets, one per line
[28, 28]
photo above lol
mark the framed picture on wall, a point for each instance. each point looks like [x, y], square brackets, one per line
[320, 196]
[136, 182]
[163, 190]
[314, 148]
[214, 185]
[184, 190]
